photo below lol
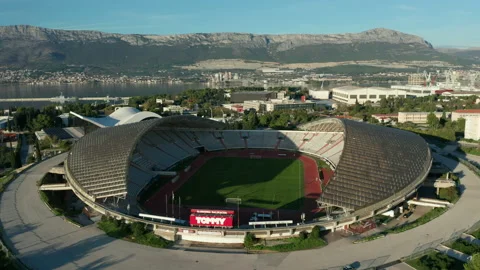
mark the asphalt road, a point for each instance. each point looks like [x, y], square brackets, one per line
[43, 241]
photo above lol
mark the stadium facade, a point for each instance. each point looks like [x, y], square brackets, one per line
[375, 167]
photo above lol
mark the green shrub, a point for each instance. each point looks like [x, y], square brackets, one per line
[303, 235]
[249, 240]
[134, 232]
[435, 260]
[450, 194]
[465, 247]
[315, 232]
[138, 229]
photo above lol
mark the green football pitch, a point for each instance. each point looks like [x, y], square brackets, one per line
[259, 183]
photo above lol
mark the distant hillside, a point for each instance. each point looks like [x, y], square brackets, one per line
[471, 54]
[29, 46]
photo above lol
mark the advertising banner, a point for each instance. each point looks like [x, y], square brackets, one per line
[211, 221]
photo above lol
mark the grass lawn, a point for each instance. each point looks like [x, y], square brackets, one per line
[293, 244]
[260, 183]
[471, 150]
[435, 260]
[476, 233]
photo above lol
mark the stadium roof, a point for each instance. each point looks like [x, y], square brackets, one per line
[104, 155]
[121, 116]
[376, 163]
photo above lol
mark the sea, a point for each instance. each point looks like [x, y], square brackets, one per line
[9, 91]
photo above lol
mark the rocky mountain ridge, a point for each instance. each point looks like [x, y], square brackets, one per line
[284, 42]
[23, 46]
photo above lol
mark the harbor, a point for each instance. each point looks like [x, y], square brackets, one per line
[63, 99]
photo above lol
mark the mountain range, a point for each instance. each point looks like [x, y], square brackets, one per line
[24, 46]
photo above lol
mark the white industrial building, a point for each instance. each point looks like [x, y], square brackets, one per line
[465, 113]
[319, 94]
[472, 127]
[352, 94]
[417, 90]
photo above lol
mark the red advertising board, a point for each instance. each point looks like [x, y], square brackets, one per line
[212, 212]
[211, 221]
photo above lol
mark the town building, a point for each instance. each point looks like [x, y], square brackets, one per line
[257, 105]
[175, 109]
[164, 101]
[289, 105]
[416, 79]
[352, 94]
[385, 118]
[70, 134]
[465, 113]
[236, 107]
[418, 117]
[239, 97]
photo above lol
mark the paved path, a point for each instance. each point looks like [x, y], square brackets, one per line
[44, 241]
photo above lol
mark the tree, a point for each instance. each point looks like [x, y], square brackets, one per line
[250, 120]
[474, 263]
[265, 120]
[42, 121]
[461, 125]
[443, 119]
[437, 261]
[432, 120]
[9, 125]
[38, 154]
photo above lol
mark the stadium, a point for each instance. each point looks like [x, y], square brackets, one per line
[186, 175]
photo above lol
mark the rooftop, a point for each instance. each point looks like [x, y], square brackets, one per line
[352, 88]
[121, 116]
[468, 111]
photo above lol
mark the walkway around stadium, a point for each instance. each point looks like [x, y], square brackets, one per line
[44, 241]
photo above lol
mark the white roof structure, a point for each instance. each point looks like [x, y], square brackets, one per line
[122, 116]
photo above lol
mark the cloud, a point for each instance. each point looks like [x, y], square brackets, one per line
[405, 7]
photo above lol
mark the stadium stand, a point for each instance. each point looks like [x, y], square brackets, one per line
[209, 140]
[233, 139]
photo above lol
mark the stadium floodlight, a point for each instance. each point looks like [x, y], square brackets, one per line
[236, 201]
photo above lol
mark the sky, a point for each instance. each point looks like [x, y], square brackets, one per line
[441, 22]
